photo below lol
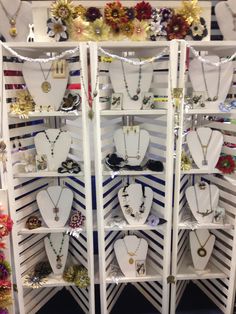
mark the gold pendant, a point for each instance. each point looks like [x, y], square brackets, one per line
[131, 260]
[46, 87]
[13, 31]
[202, 252]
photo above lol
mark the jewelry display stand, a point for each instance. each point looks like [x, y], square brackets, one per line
[57, 252]
[44, 89]
[43, 146]
[132, 78]
[214, 81]
[139, 203]
[226, 18]
[205, 146]
[55, 205]
[206, 203]
[201, 246]
[131, 143]
[22, 20]
[129, 250]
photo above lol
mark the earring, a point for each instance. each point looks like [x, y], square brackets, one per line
[13, 144]
[19, 143]
[40, 108]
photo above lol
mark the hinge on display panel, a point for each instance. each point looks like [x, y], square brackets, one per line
[171, 279]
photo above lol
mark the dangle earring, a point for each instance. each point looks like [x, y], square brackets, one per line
[19, 143]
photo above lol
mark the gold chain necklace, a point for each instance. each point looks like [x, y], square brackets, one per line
[11, 19]
[131, 254]
[202, 252]
[204, 147]
[45, 86]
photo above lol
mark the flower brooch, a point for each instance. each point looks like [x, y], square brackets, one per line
[69, 166]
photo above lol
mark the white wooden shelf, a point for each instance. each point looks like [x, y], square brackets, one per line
[45, 114]
[191, 225]
[136, 227]
[111, 173]
[45, 229]
[46, 174]
[209, 111]
[154, 112]
[200, 171]
[51, 282]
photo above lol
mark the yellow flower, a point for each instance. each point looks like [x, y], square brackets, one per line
[23, 105]
[190, 10]
[24, 97]
[127, 29]
[79, 29]
[99, 30]
[140, 30]
[79, 11]
[62, 9]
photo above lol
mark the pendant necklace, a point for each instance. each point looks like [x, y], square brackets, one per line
[45, 86]
[52, 143]
[138, 90]
[202, 252]
[204, 148]
[55, 206]
[129, 210]
[58, 254]
[138, 156]
[207, 211]
[205, 83]
[132, 254]
[233, 15]
[12, 19]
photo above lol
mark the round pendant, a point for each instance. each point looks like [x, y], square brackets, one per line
[135, 97]
[202, 252]
[46, 87]
[59, 265]
[13, 32]
[131, 260]
[56, 218]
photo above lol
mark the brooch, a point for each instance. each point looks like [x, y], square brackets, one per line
[76, 220]
[70, 102]
[69, 166]
[33, 222]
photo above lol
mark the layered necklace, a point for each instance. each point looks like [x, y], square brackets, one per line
[128, 209]
[132, 254]
[206, 87]
[202, 252]
[58, 254]
[55, 205]
[138, 156]
[138, 90]
[45, 86]
[12, 19]
[204, 148]
[207, 211]
[233, 15]
[52, 143]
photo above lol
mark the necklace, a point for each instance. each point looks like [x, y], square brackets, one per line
[52, 143]
[204, 148]
[56, 207]
[58, 254]
[12, 19]
[45, 86]
[138, 156]
[138, 90]
[129, 210]
[233, 15]
[132, 254]
[208, 211]
[202, 252]
[206, 87]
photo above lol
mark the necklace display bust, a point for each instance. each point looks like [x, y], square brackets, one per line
[22, 18]
[226, 17]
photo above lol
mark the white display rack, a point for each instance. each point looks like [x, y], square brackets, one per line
[28, 245]
[218, 281]
[159, 124]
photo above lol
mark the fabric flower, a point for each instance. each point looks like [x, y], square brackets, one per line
[190, 10]
[226, 164]
[140, 30]
[198, 30]
[79, 29]
[2, 245]
[143, 10]
[57, 29]
[5, 225]
[5, 270]
[92, 14]
[4, 311]
[165, 14]
[99, 30]
[5, 298]
[115, 14]
[130, 13]
[177, 28]
[62, 9]
[153, 220]
[5, 285]
[127, 29]
[79, 11]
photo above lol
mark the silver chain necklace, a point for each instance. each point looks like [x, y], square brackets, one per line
[233, 15]
[206, 87]
[132, 254]
[138, 156]
[202, 252]
[12, 19]
[207, 211]
[138, 90]
[55, 208]
[204, 148]
[58, 254]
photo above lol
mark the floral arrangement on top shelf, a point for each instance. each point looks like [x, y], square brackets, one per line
[119, 22]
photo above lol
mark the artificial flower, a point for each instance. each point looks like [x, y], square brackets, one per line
[2, 245]
[79, 11]
[23, 105]
[5, 298]
[3, 311]
[226, 164]
[92, 14]
[130, 13]
[186, 163]
[165, 14]
[5, 225]
[127, 29]
[5, 285]
[115, 14]
[143, 10]
[5, 270]
[79, 29]
[190, 10]
[99, 30]
[198, 30]
[177, 28]
[25, 97]
[57, 29]
[140, 30]
[62, 9]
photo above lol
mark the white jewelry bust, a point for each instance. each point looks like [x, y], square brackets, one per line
[224, 14]
[23, 19]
